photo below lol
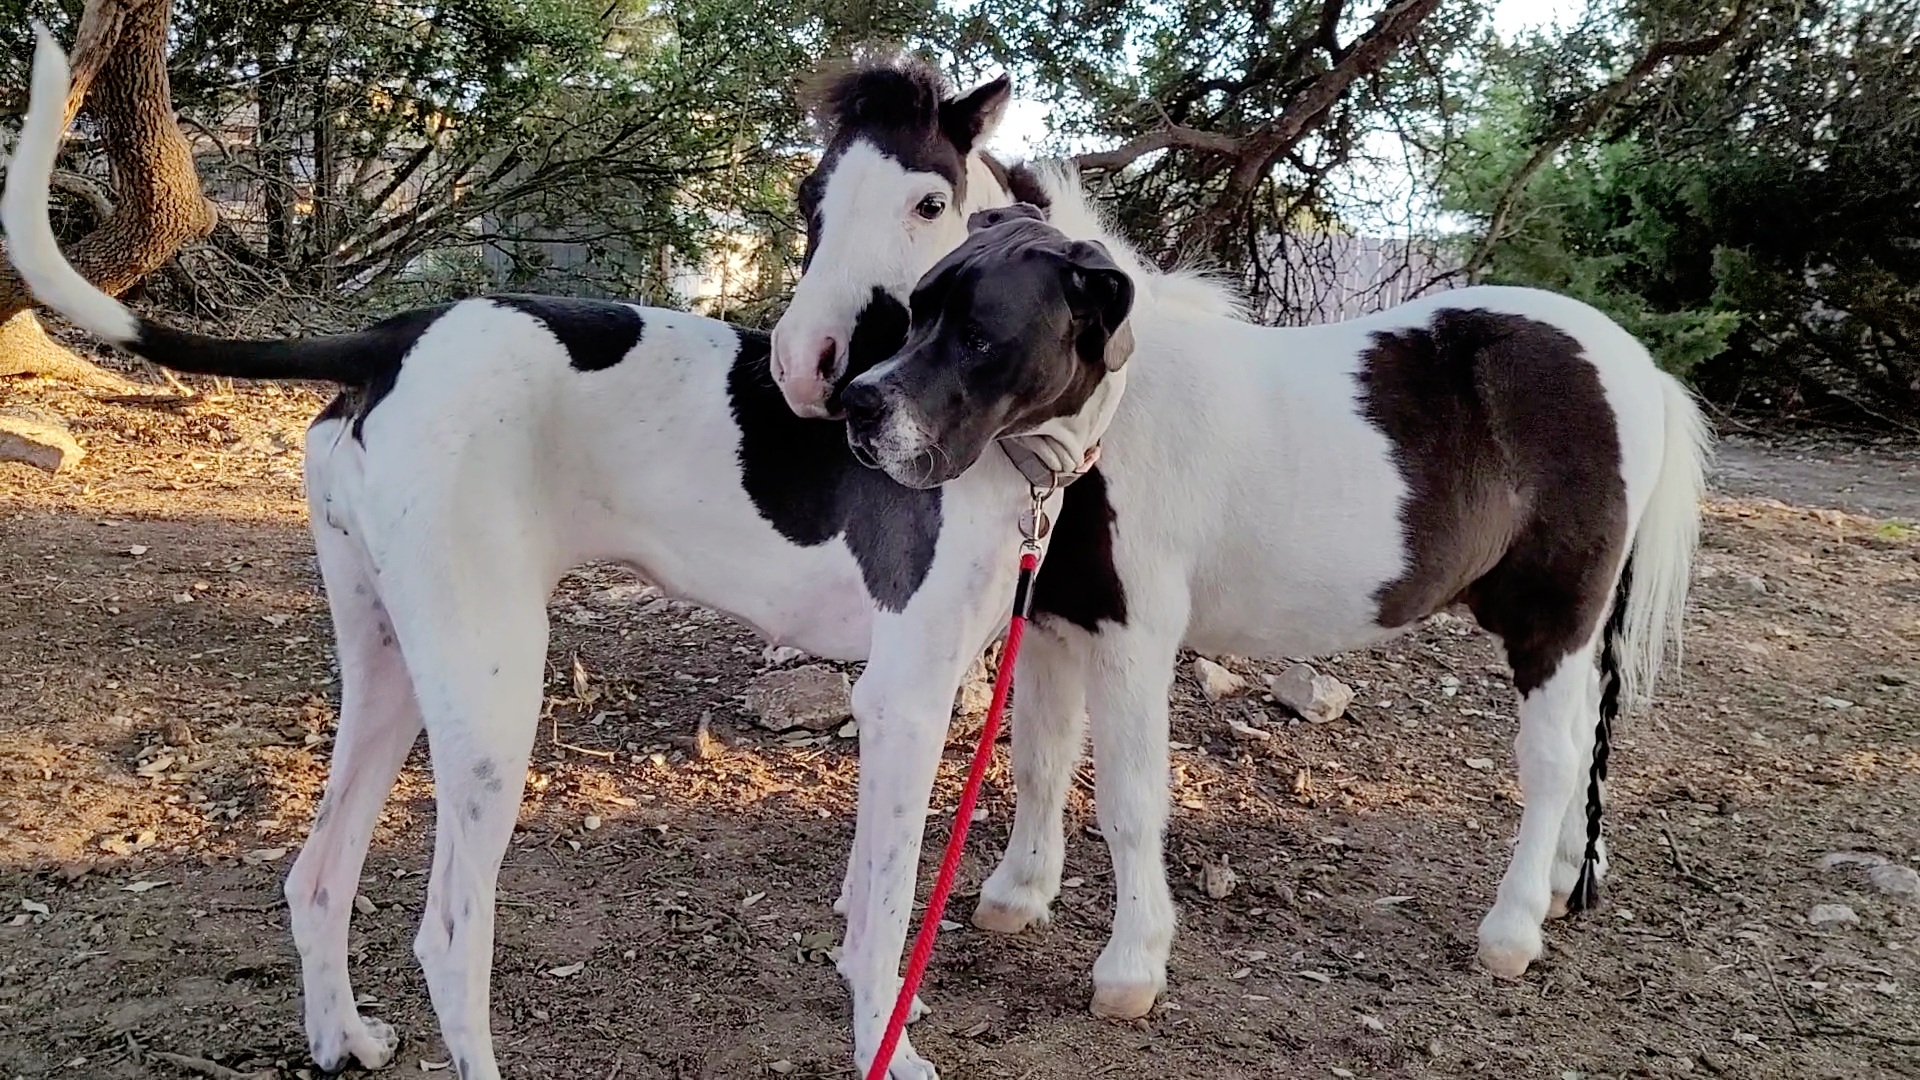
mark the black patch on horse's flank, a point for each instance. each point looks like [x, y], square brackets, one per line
[1515, 501]
[1078, 581]
[804, 481]
[596, 334]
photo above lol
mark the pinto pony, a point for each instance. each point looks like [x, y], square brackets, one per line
[1259, 491]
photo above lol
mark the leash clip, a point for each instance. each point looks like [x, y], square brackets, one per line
[1035, 524]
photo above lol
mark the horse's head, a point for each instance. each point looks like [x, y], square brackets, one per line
[1018, 332]
[903, 169]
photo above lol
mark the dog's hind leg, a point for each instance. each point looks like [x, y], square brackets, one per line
[1049, 727]
[378, 724]
[476, 640]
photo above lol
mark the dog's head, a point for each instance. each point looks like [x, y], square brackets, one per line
[1016, 327]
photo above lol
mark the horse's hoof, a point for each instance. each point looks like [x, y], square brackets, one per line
[1003, 919]
[1124, 1002]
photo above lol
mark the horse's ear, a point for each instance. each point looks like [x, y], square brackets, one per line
[970, 120]
[1100, 294]
[987, 219]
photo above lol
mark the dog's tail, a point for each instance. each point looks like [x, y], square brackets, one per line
[341, 358]
[1649, 603]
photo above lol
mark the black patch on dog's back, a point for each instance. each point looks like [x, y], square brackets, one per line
[1078, 581]
[380, 350]
[804, 481]
[596, 334]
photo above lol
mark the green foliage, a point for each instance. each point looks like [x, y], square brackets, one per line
[590, 146]
[1755, 217]
[1598, 225]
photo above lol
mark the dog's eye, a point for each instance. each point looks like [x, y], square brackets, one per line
[975, 342]
[931, 207]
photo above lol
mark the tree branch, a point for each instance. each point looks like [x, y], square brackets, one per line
[1596, 109]
[1162, 138]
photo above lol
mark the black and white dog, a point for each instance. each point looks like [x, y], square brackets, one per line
[479, 450]
[1260, 491]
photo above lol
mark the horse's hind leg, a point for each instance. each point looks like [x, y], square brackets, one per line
[1049, 727]
[1552, 714]
[378, 724]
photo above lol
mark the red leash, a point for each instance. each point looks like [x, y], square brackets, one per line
[963, 817]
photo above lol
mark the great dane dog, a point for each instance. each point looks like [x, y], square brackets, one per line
[480, 449]
[1259, 491]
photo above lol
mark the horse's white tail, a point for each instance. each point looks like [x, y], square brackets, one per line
[1660, 564]
[1649, 605]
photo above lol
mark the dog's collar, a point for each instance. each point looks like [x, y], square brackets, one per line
[1041, 475]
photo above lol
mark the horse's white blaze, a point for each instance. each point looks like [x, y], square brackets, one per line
[870, 235]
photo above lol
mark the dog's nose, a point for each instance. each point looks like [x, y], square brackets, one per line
[861, 401]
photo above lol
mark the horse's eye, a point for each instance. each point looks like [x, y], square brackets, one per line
[931, 207]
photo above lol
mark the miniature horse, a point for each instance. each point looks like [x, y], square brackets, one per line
[1259, 491]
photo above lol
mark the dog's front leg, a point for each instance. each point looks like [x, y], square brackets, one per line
[903, 702]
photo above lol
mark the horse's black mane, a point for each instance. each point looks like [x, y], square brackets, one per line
[893, 91]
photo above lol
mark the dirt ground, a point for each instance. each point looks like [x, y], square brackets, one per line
[166, 699]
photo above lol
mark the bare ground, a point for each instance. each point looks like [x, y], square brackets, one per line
[166, 701]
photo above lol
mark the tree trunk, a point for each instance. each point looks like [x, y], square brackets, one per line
[121, 45]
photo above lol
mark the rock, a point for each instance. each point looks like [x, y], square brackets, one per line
[1835, 859]
[1835, 703]
[1753, 583]
[625, 594]
[815, 697]
[1832, 915]
[1479, 764]
[976, 690]
[1217, 879]
[1243, 730]
[1896, 880]
[38, 439]
[1216, 682]
[1318, 698]
[780, 655]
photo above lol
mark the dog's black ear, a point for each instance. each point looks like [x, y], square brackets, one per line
[1100, 295]
[987, 219]
[968, 120]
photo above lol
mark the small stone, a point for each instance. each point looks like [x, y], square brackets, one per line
[1896, 880]
[1835, 703]
[363, 905]
[1218, 880]
[1834, 859]
[814, 697]
[1319, 699]
[38, 439]
[1479, 764]
[1832, 915]
[976, 690]
[782, 1067]
[1753, 583]
[780, 655]
[1243, 730]
[591, 822]
[626, 594]
[1216, 682]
